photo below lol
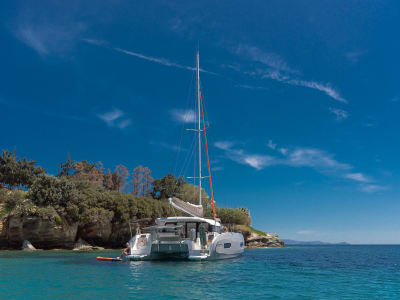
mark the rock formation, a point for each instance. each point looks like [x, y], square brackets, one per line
[259, 240]
[28, 246]
[44, 233]
[47, 233]
[82, 245]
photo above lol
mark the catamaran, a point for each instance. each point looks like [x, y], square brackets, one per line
[191, 237]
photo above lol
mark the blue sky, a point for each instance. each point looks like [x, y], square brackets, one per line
[302, 98]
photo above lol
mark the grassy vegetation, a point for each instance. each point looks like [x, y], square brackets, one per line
[251, 229]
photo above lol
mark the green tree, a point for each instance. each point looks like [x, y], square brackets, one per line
[66, 167]
[231, 216]
[166, 187]
[59, 193]
[190, 193]
[17, 173]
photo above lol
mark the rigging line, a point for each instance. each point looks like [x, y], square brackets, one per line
[210, 139]
[183, 125]
[208, 159]
[205, 110]
[187, 165]
[188, 157]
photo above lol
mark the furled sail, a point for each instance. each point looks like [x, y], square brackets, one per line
[186, 207]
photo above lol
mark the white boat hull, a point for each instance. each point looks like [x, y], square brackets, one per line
[223, 246]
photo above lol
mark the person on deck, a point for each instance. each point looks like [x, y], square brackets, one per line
[126, 251]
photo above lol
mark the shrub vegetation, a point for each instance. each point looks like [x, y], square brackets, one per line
[84, 192]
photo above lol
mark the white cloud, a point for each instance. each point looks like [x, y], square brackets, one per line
[124, 123]
[34, 41]
[257, 161]
[269, 59]
[326, 88]
[162, 61]
[240, 156]
[371, 188]
[183, 116]
[110, 117]
[271, 145]
[94, 42]
[278, 70]
[340, 113]
[283, 151]
[319, 160]
[357, 177]
[158, 60]
[316, 159]
[114, 119]
[224, 145]
[48, 39]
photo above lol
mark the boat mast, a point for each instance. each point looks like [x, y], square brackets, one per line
[198, 119]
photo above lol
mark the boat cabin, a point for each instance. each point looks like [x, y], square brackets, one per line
[186, 228]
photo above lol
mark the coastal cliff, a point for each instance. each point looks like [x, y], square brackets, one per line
[50, 233]
[47, 233]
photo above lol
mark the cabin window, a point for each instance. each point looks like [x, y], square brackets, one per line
[214, 228]
[227, 245]
[191, 231]
[170, 224]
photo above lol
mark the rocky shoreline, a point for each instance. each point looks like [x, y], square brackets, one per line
[259, 240]
[19, 232]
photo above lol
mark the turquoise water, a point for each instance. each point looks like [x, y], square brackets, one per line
[316, 272]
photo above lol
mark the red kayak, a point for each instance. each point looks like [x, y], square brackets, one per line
[108, 258]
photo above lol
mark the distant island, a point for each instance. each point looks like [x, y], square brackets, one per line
[293, 242]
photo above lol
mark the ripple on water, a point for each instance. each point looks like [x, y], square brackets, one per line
[327, 272]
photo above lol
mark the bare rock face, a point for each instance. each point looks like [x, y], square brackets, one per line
[47, 233]
[42, 232]
[119, 236]
[97, 234]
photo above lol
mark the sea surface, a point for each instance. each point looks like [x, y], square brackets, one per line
[298, 272]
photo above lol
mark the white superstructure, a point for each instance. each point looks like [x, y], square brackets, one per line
[192, 238]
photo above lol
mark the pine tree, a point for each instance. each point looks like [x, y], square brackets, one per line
[67, 167]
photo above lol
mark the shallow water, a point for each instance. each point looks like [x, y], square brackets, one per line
[301, 272]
